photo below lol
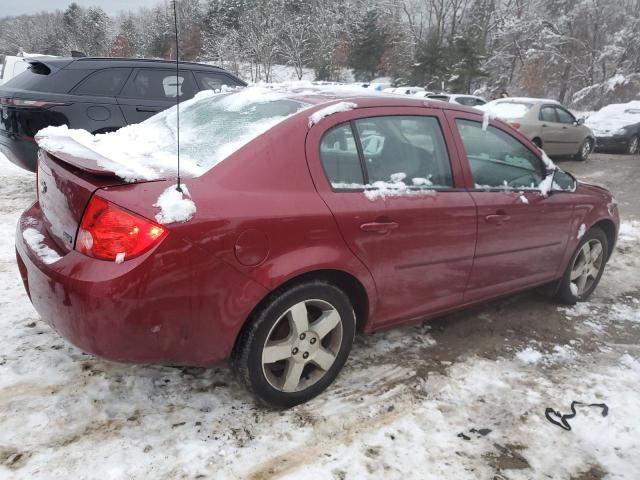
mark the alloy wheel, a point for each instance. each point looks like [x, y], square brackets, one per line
[634, 145]
[586, 150]
[586, 267]
[302, 345]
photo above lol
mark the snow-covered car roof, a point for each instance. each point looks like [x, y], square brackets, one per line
[614, 116]
[213, 125]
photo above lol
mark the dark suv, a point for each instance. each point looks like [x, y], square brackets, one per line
[96, 94]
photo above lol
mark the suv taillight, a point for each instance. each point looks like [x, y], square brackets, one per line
[108, 232]
[19, 102]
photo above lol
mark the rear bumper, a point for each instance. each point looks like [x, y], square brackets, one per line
[22, 152]
[173, 305]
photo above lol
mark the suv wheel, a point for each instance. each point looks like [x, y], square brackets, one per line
[296, 345]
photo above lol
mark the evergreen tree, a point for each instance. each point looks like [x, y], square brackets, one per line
[368, 46]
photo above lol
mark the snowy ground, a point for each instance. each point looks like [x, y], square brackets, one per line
[462, 397]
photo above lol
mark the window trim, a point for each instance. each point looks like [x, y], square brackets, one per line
[363, 163]
[468, 165]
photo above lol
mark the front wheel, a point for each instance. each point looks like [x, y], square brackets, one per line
[585, 150]
[633, 147]
[296, 345]
[585, 268]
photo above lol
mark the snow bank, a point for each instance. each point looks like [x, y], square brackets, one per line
[629, 231]
[315, 117]
[175, 206]
[35, 240]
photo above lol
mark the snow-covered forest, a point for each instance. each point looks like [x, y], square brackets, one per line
[553, 48]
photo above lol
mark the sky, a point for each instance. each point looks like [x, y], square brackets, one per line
[20, 7]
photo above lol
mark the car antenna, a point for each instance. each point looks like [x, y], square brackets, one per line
[175, 22]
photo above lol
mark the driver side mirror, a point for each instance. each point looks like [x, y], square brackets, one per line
[580, 121]
[563, 182]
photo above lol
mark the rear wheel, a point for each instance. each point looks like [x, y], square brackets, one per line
[585, 150]
[296, 345]
[585, 268]
[633, 147]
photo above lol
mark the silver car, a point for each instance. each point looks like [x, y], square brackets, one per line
[547, 123]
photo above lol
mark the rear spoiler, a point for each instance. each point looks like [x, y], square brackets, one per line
[51, 64]
[85, 164]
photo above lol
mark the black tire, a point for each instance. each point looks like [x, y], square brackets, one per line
[633, 146]
[585, 150]
[248, 358]
[571, 295]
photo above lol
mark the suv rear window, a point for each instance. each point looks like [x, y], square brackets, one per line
[213, 81]
[107, 82]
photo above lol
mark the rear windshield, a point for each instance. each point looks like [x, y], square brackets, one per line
[511, 109]
[215, 126]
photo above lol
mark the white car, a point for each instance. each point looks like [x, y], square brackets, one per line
[467, 100]
[15, 65]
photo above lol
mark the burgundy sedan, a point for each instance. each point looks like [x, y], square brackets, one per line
[312, 215]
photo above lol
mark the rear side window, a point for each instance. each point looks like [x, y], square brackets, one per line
[406, 150]
[212, 81]
[497, 159]
[340, 158]
[155, 84]
[107, 82]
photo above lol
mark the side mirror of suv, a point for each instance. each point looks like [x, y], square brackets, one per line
[580, 121]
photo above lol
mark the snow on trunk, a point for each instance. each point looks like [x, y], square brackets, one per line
[175, 206]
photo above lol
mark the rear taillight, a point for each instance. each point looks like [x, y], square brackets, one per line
[515, 125]
[19, 102]
[109, 232]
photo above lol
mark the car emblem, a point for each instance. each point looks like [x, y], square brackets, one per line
[43, 187]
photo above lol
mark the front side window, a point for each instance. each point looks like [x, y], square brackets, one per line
[564, 116]
[211, 81]
[160, 85]
[497, 159]
[405, 149]
[548, 114]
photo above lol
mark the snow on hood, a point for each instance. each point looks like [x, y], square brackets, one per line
[614, 117]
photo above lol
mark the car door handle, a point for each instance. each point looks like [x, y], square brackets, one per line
[378, 227]
[498, 218]
[147, 109]
[544, 124]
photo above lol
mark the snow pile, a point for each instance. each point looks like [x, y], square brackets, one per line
[35, 240]
[175, 206]
[330, 110]
[629, 231]
[529, 355]
[611, 119]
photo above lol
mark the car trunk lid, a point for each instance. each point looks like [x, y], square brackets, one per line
[65, 186]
